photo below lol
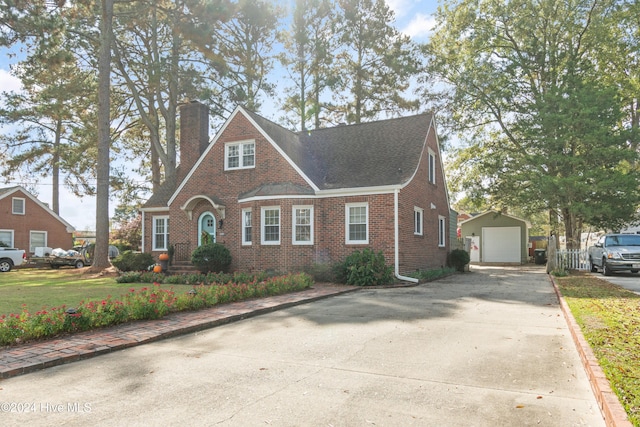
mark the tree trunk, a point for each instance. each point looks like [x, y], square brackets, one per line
[101, 254]
[55, 170]
[571, 229]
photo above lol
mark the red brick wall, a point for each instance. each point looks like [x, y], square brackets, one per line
[423, 252]
[35, 218]
[211, 181]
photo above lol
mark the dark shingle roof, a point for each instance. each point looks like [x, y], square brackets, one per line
[380, 153]
[371, 154]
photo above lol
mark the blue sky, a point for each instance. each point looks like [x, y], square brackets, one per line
[413, 18]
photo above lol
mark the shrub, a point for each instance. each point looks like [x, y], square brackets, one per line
[365, 268]
[458, 258]
[133, 261]
[212, 257]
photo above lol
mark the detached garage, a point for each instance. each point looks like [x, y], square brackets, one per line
[497, 238]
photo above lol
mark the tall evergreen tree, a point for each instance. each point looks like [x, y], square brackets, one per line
[308, 56]
[375, 60]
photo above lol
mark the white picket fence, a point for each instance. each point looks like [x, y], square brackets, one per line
[572, 259]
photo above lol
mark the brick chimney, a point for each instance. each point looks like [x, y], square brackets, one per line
[194, 135]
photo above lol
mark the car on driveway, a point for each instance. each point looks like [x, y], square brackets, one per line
[615, 252]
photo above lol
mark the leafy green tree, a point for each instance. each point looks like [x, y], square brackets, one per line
[308, 57]
[50, 119]
[544, 130]
[375, 60]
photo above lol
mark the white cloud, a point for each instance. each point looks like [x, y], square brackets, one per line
[8, 82]
[420, 27]
[399, 7]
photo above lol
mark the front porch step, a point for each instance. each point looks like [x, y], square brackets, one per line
[182, 267]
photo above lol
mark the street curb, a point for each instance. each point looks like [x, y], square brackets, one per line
[79, 347]
[610, 406]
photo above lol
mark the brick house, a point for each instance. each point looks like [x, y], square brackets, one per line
[283, 200]
[27, 223]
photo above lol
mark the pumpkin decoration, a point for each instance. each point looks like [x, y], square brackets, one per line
[157, 269]
[164, 257]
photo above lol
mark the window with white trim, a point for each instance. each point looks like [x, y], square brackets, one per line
[240, 155]
[418, 217]
[432, 167]
[270, 225]
[17, 206]
[357, 223]
[160, 233]
[37, 239]
[247, 226]
[442, 230]
[302, 225]
[6, 238]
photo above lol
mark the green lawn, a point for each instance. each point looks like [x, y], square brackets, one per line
[609, 317]
[39, 288]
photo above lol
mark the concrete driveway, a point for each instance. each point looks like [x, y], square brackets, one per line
[625, 279]
[485, 348]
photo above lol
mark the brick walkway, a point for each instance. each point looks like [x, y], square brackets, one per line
[18, 360]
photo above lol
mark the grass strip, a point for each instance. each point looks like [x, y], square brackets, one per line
[609, 317]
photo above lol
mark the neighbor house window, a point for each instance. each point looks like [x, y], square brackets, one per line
[17, 206]
[160, 233]
[357, 223]
[303, 225]
[432, 167]
[442, 230]
[6, 238]
[37, 239]
[271, 225]
[240, 155]
[418, 215]
[247, 226]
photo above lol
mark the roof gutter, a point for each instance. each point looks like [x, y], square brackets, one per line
[397, 242]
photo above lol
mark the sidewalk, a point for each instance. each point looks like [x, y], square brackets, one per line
[30, 357]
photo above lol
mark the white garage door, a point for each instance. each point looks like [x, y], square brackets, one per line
[501, 244]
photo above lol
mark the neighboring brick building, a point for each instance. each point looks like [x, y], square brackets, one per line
[27, 223]
[282, 200]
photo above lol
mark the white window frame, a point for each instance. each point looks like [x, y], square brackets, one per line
[245, 241]
[295, 225]
[347, 210]
[13, 205]
[263, 225]
[154, 245]
[241, 158]
[32, 247]
[442, 231]
[418, 221]
[432, 167]
[13, 236]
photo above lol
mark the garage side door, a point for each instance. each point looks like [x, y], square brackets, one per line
[501, 244]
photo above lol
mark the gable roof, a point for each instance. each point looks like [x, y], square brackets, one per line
[6, 192]
[497, 214]
[380, 153]
[373, 154]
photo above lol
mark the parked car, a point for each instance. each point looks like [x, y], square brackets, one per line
[615, 252]
[10, 257]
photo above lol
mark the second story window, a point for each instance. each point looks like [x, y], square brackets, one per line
[17, 206]
[240, 155]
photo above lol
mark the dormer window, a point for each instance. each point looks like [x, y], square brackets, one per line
[240, 155]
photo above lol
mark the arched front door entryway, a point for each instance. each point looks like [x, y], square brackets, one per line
[206, 229]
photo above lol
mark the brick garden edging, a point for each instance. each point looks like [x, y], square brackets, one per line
[33, 356]
[612, 410]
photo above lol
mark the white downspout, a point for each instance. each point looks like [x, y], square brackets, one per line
[397, 240]
[143, 228]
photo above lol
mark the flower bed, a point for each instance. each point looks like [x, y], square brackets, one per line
[151, 302]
